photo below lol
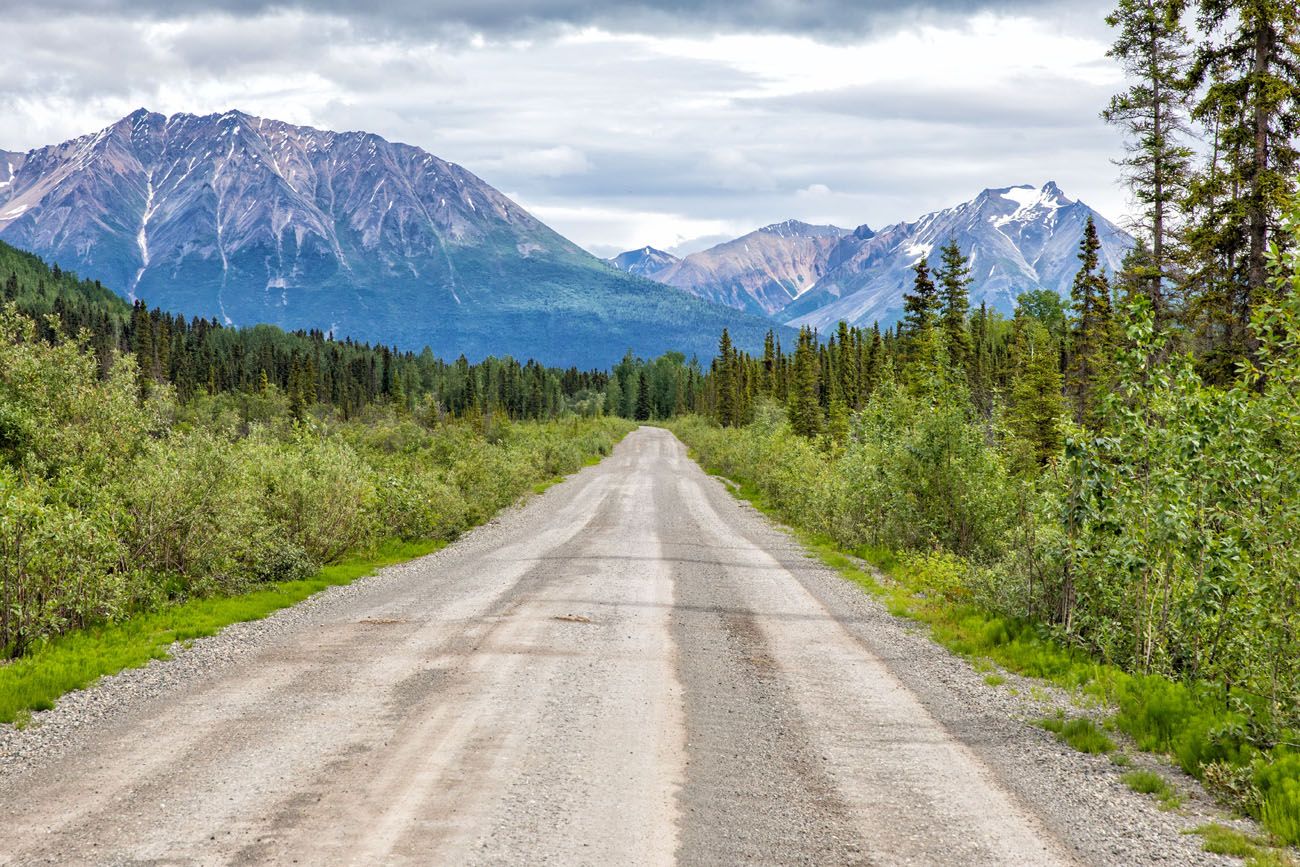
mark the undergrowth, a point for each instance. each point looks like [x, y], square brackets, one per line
[1257, 852]
[1080, 733]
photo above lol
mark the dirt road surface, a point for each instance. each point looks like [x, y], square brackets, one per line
[632, 668]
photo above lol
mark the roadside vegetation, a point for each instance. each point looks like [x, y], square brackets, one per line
[1131, 553]
[1104, 491]
[129, 519]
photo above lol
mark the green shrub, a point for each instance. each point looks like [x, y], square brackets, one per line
[1279, 790]
[1080, 733]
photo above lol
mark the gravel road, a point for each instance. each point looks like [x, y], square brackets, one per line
[631, 668]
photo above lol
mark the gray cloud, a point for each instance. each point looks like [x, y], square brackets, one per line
[830, 19]
[616, 141]
[1042, 100]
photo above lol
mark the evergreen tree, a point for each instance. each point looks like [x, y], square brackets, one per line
[805, 409]
[728, 397]
[875, 359]
[1153, 47]
[769, 364]
[1247, 70]
[921, 304]
[954, 281]
[643, 398]
[846, 372]
[1091, 353]
[142, 345]
[1035, 405]
[981, 367]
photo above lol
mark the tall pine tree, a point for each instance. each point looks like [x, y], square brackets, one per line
[1153, 47]
[954, 298]
[1091, 353]
[1247, 75]
[921, 304]
[805, 408]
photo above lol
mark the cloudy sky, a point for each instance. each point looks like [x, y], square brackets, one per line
[619, 123]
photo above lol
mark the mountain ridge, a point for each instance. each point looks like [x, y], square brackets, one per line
[256, 220]
[1018, 238]
[760, 272]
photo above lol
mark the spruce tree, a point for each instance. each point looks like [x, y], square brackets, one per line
[981, 367]
[728, 398]
[1091, 353]
[922, 303]
[643, 398]
[769, 364]
[875, 359]
[805, 409]
[1035, 405]
[954, 282]
[846, 372]
[1247, 72]
[1153, 47]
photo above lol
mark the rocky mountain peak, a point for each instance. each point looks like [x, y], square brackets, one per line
[251, 219]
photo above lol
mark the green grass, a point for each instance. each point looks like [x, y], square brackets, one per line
[77, 660]
[994, 679]
[543, 487]
[1151, 783]
[1080, 733]
[1222, 840]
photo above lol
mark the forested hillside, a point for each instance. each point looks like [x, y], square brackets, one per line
[197, 356]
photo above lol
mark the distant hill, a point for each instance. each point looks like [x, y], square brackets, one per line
[254, 220]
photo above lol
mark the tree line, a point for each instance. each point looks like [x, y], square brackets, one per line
[309, 367]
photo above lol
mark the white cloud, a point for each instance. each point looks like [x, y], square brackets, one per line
[606, 230]
[620, 139]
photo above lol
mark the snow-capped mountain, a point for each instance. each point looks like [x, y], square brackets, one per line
[645, 262]
[1018, 239]
[761, 272]
[255, 220]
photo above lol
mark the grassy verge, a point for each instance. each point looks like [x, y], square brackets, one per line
[77, 660]
[1189, 722]
[1151, 783]
[1222, 840]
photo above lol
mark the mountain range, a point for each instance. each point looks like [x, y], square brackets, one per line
[248, 220]
[251, 220]
[1018, 239]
